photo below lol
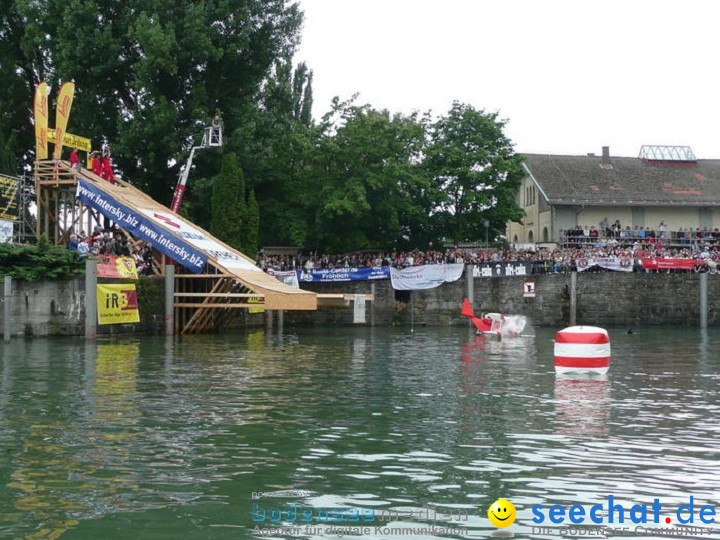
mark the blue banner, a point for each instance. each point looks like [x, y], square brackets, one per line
[330, 275]
[137, 224]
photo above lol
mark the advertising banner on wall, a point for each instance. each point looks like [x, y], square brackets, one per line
[617, 264]
[427, 276]
[117, 304]
[669, 264]
[116, 267]
[329, 275]
[502, 269]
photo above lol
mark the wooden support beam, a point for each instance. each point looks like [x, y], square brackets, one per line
[216, 306]
[221, 295]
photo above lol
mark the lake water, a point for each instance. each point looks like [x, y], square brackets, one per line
[157, 438]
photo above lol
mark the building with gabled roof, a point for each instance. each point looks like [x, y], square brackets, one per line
[663, 184]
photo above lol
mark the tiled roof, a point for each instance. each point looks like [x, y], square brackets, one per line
[625, 181]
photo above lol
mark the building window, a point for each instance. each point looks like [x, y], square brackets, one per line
[529, 195]
[531, 239]
[515, 239]
[545, 235]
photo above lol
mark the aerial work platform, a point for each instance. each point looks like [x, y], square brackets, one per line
[212, 278]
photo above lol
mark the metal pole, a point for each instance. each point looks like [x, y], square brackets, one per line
[7, 325]
[573, 298]
[280, 320]
[412, 312]
[470, 280]
[372, 304]
[703, 300]
[269, 319]
[90, 299]
[169, 299]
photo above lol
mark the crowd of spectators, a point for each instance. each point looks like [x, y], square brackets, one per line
[542, 260]
[616, 234]
[113, 242]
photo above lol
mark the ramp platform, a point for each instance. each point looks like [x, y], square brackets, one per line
[212, 278]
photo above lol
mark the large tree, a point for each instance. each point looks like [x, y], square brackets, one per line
[228, 204]
[476, 173]
[149, 73]
[276, 152]
[367, 186]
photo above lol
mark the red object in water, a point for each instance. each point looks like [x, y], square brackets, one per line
[483, 325]
[467, 310]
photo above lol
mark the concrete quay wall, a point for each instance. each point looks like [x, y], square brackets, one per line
[603, 298]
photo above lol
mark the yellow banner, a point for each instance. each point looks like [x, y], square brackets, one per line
[73, 141]
[117, 304]
[259, 309]
[62, 114]
[41, 120]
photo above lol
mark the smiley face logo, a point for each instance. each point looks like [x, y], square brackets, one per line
[502, 513]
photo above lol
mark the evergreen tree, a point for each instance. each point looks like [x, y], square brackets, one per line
[8, 160]
[251, 226]
[228, 203]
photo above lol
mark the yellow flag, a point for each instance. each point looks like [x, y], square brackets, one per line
[62, 113]
[41, 121]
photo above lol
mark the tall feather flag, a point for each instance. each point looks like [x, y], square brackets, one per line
[62, 113]
[41, 120]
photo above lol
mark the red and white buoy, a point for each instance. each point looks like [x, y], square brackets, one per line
[582, 349]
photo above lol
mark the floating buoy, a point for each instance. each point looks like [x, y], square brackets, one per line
[582, 349]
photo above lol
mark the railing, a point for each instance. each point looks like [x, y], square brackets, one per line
[673, 239]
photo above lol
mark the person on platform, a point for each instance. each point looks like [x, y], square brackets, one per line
[74, 161]
[107, 170]
[96, 164]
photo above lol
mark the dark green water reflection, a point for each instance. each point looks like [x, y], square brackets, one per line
[148, 438]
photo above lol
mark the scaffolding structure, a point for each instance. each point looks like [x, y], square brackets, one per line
[203, 302]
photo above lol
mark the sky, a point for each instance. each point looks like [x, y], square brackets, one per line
[570, 76]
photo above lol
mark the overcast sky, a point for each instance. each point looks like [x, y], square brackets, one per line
[571, 76]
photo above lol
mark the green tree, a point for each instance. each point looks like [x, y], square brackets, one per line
[251, 226]
[476, 173]
[277, 152]
[228, 203]
[9, 164]
[149, 74]
[367, 185]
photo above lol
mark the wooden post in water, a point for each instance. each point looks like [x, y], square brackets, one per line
[372, 304]
[573, 298]
[269, 319]
[90, 298]
[7, 325]
[169, 299]
[703, 300]
[470, 280]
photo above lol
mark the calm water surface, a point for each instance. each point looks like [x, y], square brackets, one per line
[156, 438]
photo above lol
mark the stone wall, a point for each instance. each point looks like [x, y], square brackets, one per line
[52, 308]
[603, 298]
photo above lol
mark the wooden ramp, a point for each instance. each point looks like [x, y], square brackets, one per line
[212, 279]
